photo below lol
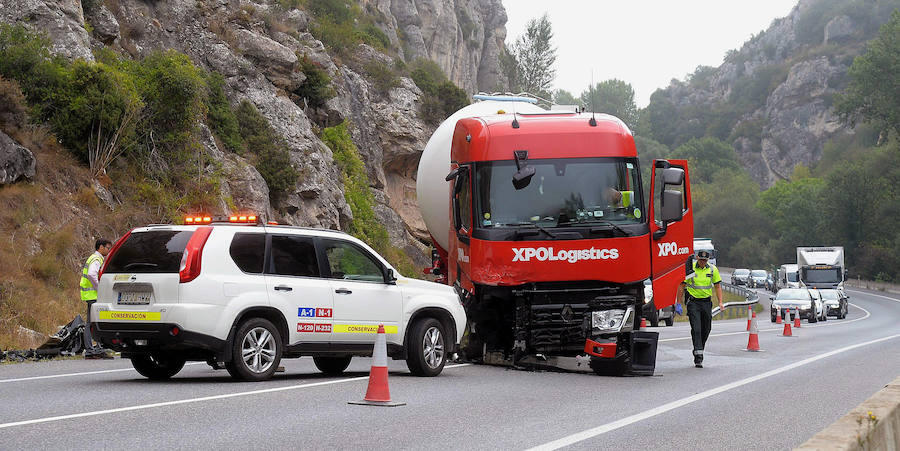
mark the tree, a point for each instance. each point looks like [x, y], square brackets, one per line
[563, 97]
[614, 97]
[535, 55]
[706, 157]
[873, 93]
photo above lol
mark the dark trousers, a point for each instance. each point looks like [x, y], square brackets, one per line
[699, 313]
[88, 342]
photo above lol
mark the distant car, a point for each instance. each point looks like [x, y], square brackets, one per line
[835, 303]
[651, 313]
[770, 283]
[740, 276]
[788, 300]
[757, 278]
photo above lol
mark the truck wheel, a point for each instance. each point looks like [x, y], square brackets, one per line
[654, 318]
[332, 365]
[256, 351]
[427, 352]
[157, 367]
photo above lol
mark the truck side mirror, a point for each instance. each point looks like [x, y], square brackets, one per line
[672, 207]
[673, 176]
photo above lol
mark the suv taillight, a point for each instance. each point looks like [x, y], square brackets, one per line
[112, 252]
[190, 262]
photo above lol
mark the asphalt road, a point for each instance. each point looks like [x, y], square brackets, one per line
[774, 399]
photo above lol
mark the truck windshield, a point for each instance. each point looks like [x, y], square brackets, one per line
[791, 277]
[831, 275]
[563, 192]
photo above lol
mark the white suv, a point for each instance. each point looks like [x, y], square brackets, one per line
[248, 295]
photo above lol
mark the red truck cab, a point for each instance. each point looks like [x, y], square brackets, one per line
[552, 236]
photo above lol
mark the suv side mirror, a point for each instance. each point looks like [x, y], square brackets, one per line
[389, 277]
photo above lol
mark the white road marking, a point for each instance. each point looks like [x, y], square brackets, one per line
[810, 326]
[86, 373]
[876, 295]
[608, 427]
[191, 400]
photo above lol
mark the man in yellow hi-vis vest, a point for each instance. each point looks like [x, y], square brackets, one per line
[696, 291]
[88, 287]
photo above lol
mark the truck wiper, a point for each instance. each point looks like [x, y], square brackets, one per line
[539, 227]
[612, 225]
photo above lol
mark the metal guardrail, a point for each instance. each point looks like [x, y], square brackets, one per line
[751, 297]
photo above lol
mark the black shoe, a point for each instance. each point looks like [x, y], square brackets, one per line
[698, 360]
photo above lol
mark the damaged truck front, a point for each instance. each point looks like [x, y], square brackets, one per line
[539, 219]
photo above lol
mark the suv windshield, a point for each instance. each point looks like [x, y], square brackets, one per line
[830, 295]
[154, 251]
[758, 273]
[563, 192]
[741, 272]
[792, 294]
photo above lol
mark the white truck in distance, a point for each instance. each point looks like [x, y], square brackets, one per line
[821, 267]
[787, 277]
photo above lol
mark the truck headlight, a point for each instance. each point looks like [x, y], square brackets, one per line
[614, 320]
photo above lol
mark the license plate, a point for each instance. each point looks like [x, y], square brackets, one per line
[134, 297]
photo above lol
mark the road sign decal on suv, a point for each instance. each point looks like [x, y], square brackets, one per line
[229, 293]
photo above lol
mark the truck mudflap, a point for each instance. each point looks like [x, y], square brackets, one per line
[633, 354]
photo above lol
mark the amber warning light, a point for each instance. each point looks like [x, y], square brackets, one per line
[204, 219]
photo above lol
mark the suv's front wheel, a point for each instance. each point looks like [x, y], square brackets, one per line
[256, 351]
[156, 366]
[427, 352]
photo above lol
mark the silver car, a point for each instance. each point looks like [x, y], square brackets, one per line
[835, 303]
[757, 278]
[809, 302]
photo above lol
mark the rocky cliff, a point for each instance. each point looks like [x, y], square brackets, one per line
[772, 99]
[257, 46]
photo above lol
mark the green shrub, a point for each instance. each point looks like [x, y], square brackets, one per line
[341, 25]
[220, 116]
[316, 89]
[383, 77]
[372, 35]
[365, 225]
[272, 160]
[440, 97]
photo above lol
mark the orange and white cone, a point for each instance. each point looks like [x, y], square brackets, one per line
[787, 326]
[749, 315]
[797, 318]
[753, 341]
[378, 393]
[778, 317]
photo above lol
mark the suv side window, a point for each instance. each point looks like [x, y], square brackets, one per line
[293, 255]
[248, 251]
[350, 262]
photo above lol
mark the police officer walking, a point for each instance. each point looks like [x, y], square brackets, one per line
[88, 285]
[696, 293]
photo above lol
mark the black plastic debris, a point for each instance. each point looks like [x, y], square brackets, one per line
[68, 341]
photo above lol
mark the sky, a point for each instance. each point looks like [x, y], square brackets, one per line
[646, 43]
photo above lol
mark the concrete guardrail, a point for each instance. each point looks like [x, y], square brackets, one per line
[872, 425]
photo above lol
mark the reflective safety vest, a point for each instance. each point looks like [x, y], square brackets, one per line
[88, 293]
[701, 284]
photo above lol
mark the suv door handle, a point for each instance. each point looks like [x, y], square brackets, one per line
[342, 291]
[283, 288]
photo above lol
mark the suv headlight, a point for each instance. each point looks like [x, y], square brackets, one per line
[614, 320]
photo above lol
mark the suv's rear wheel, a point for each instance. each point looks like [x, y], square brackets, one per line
[157, 366]
[427, 352]
[332, 365]
[256, 351]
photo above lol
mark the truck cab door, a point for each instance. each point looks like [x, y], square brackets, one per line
[671, 228]
[461, 233]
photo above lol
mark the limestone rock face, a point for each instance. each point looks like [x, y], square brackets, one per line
[799, 70]
[256, 45]
[16, 162]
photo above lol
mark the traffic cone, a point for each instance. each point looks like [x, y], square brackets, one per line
[749, 315]
[787, 326]
[378, 393]
[778, 317]
[753, 341]
[797, 318]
